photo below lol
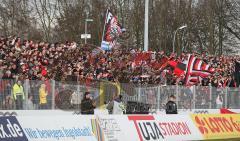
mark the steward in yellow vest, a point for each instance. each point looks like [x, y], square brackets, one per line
[18, 95]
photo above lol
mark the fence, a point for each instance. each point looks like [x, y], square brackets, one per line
[69, 95]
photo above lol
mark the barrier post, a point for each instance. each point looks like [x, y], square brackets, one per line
[194, 97]
[53, 94]
[210, 97]
[158, 98]
[226, 98]
[238, 92]
[139, 94]
[177, 96]
[78, 93]
[26, 89]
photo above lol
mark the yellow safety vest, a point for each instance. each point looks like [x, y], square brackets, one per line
[42, 96]
[18, 90]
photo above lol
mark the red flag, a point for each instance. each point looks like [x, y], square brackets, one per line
[179, 67]
[140, 57]
[160, 64]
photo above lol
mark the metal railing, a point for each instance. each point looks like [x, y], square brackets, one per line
[69, 95]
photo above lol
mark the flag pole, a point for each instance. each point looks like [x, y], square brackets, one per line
[104, 25]
[146, 26]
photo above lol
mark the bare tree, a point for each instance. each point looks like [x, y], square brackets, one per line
[212, 25]
[15, 17]
[46, 11]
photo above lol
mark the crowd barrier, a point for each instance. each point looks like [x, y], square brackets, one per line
[153, 97]
[120, 127]
[105, 112]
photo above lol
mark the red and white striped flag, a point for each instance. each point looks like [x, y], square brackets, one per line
[196, 69]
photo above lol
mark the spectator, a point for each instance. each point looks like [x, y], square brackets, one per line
[171, 106]
[8, 102]
[18, 95]
[118, 106]
[219, 101]
[34, 90]
[87, 104]
[205, 82]
[110, 106]
[76, 99]
[29, 103]
[38, 61]
[71, 62]
[43, 97]
[7, 75]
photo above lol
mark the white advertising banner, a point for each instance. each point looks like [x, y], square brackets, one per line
[165, 127]
[62, 128]
[102, 128]
[115, 128]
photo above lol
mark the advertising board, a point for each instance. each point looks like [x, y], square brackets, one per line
[168, 127]
[52, 128]
[120, 127]
[114, 128]
[218, 126]
[11, 130]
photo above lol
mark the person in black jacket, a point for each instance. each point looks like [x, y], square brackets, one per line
[171, 106]
[87, 104]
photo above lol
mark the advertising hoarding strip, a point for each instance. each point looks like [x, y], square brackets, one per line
[120, 127]
[218, 126]
[11, 130]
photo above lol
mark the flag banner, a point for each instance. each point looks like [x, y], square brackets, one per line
[160, 64]
[96, 51]
[179, 67]
[105, 45]
[196, 70]
[112, 30]
[141, 57]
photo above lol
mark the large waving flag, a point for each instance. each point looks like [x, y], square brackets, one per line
[196, 69]
[160, 64]
[112, 30]
[179, 67]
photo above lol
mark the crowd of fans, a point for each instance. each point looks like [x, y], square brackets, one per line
[68, 62]
[25, 59]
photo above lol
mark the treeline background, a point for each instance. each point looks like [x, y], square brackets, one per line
[212, 25]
